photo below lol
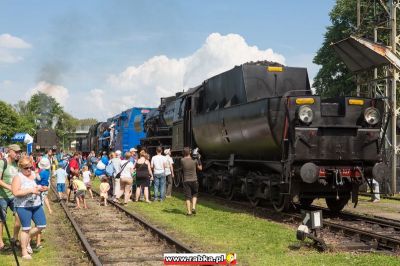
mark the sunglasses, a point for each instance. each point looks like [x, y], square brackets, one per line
[28, 168]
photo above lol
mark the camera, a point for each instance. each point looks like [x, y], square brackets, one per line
[196, 155]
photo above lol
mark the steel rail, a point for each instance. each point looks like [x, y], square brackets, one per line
[366, 194]
[92, 254]
[172, 241]
[381, 221]
[382, 241]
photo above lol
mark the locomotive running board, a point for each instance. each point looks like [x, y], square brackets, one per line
[360, 54]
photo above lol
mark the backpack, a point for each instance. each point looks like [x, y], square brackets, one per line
[110, 169]
[67, 168]
[4, 167]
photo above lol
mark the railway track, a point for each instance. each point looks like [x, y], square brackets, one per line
[382, 196]
[361, 232]
[114, 236]
[375, 232]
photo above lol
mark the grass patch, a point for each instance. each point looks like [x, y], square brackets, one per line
[256, 241]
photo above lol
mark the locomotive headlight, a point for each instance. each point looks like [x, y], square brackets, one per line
[305, 114]
[372, 116]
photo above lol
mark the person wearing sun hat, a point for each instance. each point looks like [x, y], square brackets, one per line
[43, 179]
[8, 169]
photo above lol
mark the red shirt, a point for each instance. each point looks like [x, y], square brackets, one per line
[73, 165]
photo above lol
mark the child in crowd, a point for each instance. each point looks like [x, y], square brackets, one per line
[104, 188]
[86, 180]
[61, 176]
[43, 179]
[80, 189]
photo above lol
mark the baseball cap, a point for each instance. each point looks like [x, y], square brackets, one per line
[14, 147]
[132, 149]
[118, 152]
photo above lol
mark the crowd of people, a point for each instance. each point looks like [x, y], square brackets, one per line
[25, 181]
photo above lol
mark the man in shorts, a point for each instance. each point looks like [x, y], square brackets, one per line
[190, 183]
[6, 197]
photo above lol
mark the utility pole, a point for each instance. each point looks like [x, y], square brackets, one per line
[393, 5]
[384, 25]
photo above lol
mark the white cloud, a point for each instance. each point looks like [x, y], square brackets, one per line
[8, 45]
[161, 76]
[12, 42]
[96, 98]
[58, 92]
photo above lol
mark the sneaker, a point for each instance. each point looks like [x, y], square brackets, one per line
[194, 211]
[375, 201]
[188, 214]
[29, 249]
[27, 257]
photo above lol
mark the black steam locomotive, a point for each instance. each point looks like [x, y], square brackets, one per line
[263, 134]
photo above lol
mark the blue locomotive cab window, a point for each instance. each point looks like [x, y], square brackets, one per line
[137, 124]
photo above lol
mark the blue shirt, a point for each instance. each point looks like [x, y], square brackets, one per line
[44, 178]
[61, 175]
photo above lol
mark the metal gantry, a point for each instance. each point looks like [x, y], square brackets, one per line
[377, 20]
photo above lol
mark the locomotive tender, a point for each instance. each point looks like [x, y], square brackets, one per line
[263, 134]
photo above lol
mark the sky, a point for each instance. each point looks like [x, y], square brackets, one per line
[98, 57]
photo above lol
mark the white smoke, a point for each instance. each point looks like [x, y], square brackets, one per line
[58, 92]
[161, 76]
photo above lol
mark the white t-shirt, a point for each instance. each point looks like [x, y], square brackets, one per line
[86, 176]
[61, 175]
[117, 165]
[128, 169]
[167, 166]
[158, 162]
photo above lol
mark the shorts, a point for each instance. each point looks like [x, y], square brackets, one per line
[190, 189]
[60, 187]
[27, 214]
[88, 185]
[4, 204]
[143, 182]
[80, 193]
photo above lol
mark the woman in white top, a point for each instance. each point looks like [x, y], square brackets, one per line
[28, 204]
[126, 179]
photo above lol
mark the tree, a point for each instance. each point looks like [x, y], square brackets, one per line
[87, 122]
[334, 78]
[11, 123]
[8, 122]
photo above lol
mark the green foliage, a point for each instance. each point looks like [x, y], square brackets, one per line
[9, 122]
[87, 122]
[334, 78]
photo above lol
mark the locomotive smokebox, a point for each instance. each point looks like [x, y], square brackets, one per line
[380, 171]
[309, 173]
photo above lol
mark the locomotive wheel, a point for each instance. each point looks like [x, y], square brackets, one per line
[212, 186]
[250, 193]
[336, 205]
[279, 201]
[177, 178]
[227, 189]
[306, 202]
